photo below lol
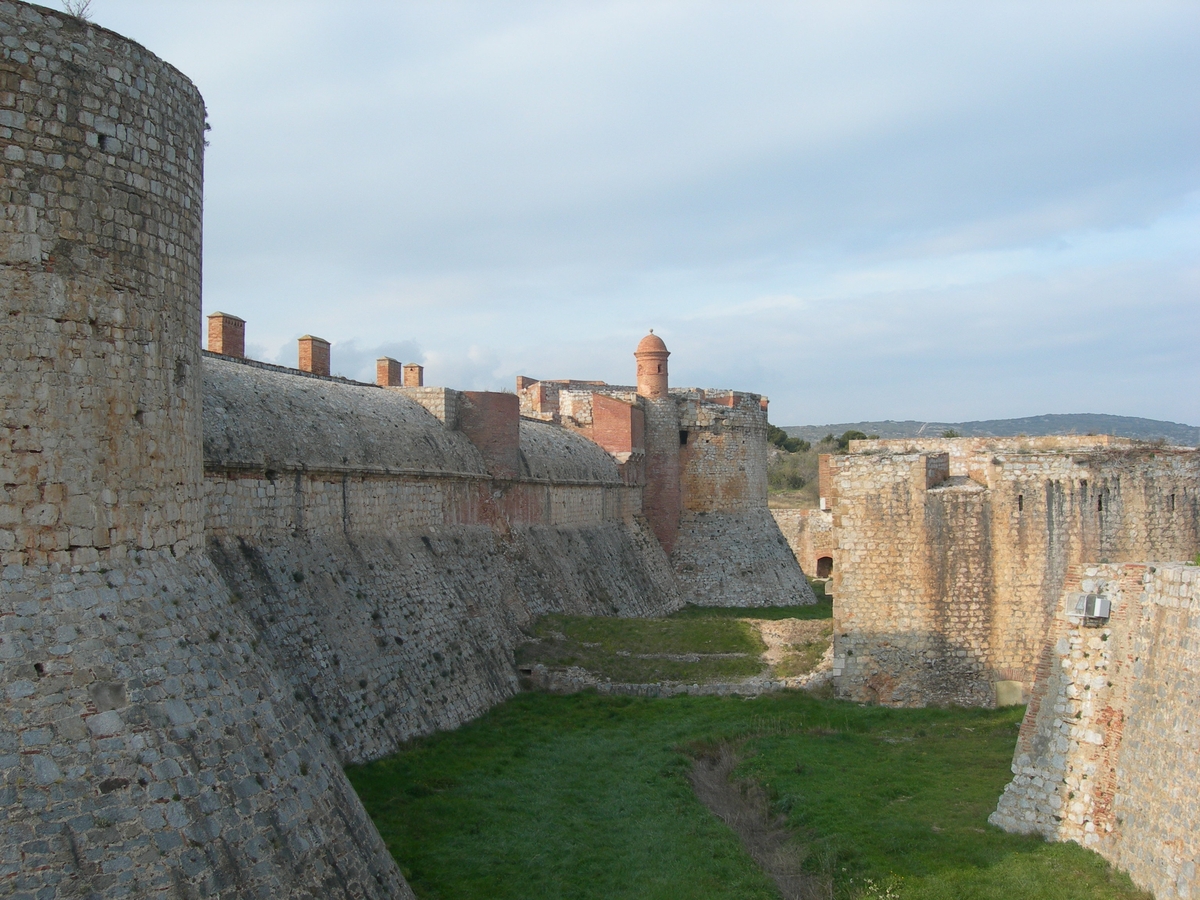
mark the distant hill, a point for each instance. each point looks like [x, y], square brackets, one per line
[1075, 423]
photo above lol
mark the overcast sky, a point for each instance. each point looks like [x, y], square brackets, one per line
[935, 211]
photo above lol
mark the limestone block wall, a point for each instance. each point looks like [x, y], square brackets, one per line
[947, 582]
[810, 534]
[146, 749]
[661, 500]
[1107, 754]
[723, 461]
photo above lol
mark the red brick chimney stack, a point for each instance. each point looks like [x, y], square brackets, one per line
[387, 372]
[314, 355]
[227, 334]
[414, 375]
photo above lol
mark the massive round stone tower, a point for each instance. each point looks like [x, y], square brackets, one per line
[145, 748]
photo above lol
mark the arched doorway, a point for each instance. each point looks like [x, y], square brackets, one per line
[825, 567]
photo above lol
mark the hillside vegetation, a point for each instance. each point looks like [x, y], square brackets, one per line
[1076, 423]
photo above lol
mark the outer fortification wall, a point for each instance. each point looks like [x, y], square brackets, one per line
[728, 550]
[387, 569]
[1107, 753]
[950, 563]
[701, 459]
[146, 748]
[810, 534]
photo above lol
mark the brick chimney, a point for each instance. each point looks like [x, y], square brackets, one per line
[227, 335]
[414, 375]
[314, 355]
[387, 372]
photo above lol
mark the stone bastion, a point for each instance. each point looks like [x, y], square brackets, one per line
[221, 580]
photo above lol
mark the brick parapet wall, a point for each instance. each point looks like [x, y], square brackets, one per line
[1107, 754]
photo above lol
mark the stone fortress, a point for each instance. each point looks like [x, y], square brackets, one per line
[962, 570]
[220, 580]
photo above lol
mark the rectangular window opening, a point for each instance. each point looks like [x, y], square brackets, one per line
[1020, 502]
[683, 439]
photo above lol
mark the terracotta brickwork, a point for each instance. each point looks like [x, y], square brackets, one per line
[1107, 753]
[492, 422]
[314, 355]
[951, 559]
[226, 335]
[387, 372]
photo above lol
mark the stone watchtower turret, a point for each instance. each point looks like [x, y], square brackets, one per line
[651, 355]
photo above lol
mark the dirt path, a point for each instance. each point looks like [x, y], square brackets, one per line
[745, 808]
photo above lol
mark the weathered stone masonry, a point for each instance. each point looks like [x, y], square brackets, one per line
[147, 747]
[1107, 754]
[952, 554]
[221, 579]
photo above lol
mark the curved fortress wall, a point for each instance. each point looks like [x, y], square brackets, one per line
[388, 569]
[729, 550]
[952, 554]
[1107, 753]
[145, 748]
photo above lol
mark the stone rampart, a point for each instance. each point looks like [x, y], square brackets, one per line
[951, 561]
[148, 748]
[1107, 753]
[391, 579]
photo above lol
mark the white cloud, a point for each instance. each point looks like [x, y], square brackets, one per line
[864, 210]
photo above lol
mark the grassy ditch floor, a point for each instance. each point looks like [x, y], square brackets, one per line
[585, 796]
[694, 645]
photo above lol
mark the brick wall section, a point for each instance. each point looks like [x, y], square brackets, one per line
[1107, 754]
[387, 372]
[491, 421]
[414, 375]
[1012, 528]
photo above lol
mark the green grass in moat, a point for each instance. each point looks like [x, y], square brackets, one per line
[586, 796]
[639, 650]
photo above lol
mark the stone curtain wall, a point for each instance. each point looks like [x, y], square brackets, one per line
[149, 749]
[392, 594]
[945, 591]
[1107, 754]
[389, 635]
[737, 559]
[146, 746]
